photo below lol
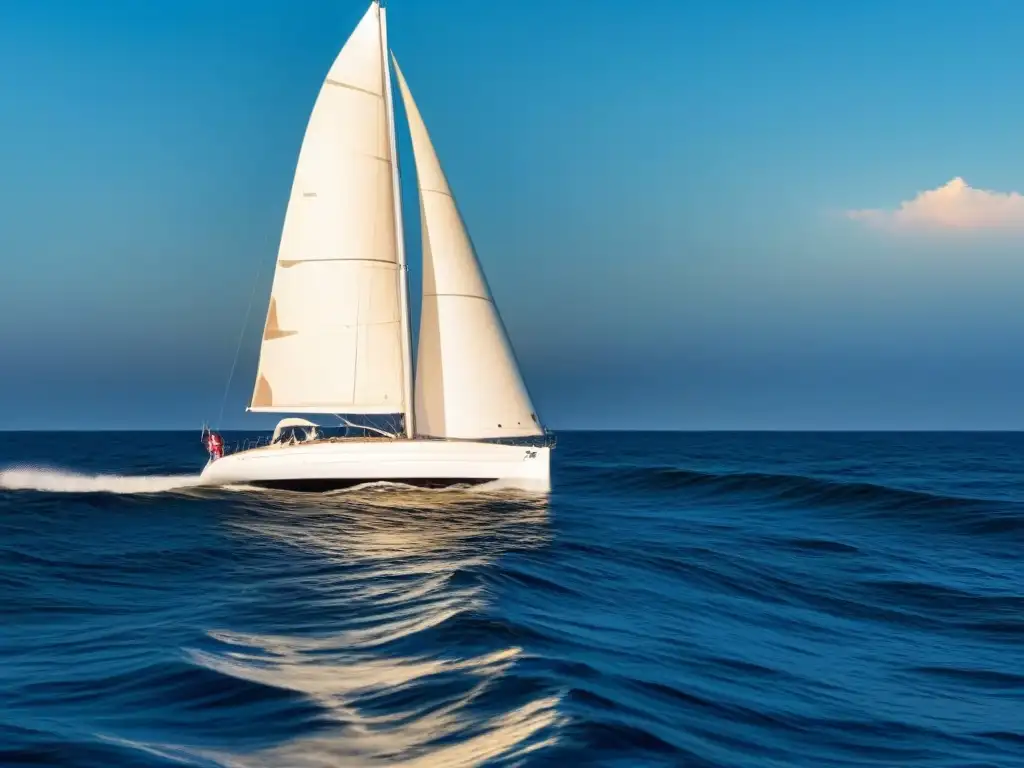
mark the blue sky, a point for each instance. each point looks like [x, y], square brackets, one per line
[659, 198]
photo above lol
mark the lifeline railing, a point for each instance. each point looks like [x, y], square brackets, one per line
[547, 440]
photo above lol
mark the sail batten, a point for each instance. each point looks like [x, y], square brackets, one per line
[293, 262]
[338, 84]
[468, 384]
[332, 342]
[326, 410]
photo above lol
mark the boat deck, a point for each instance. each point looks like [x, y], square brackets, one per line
[263, 443]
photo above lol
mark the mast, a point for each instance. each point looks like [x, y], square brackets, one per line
[403, 268]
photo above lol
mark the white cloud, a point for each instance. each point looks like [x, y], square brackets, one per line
[953, 206]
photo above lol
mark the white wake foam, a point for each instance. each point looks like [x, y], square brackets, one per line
[59, 481]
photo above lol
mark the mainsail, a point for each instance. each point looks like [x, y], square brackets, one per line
[468, 384]
[335, 339]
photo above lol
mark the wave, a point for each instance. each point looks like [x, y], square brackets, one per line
[65, 481]
[62, 481]
[796, 488]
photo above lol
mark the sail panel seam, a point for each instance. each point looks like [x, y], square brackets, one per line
[437, 192]
[488, 299]
[349, 86]
[292, 262]
[343, 326]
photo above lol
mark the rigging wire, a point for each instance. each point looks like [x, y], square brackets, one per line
[238, 349]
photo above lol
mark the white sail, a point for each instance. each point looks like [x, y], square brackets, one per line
[333, 339]
[468, 384]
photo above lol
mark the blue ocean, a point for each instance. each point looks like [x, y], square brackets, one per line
[680, 599]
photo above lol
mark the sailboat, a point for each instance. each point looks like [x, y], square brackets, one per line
[337, 340]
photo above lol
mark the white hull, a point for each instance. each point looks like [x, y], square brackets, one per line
[327, 465]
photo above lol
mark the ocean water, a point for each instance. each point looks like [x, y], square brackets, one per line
[679, 600]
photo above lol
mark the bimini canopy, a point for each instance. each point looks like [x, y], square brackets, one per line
[284, 424]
